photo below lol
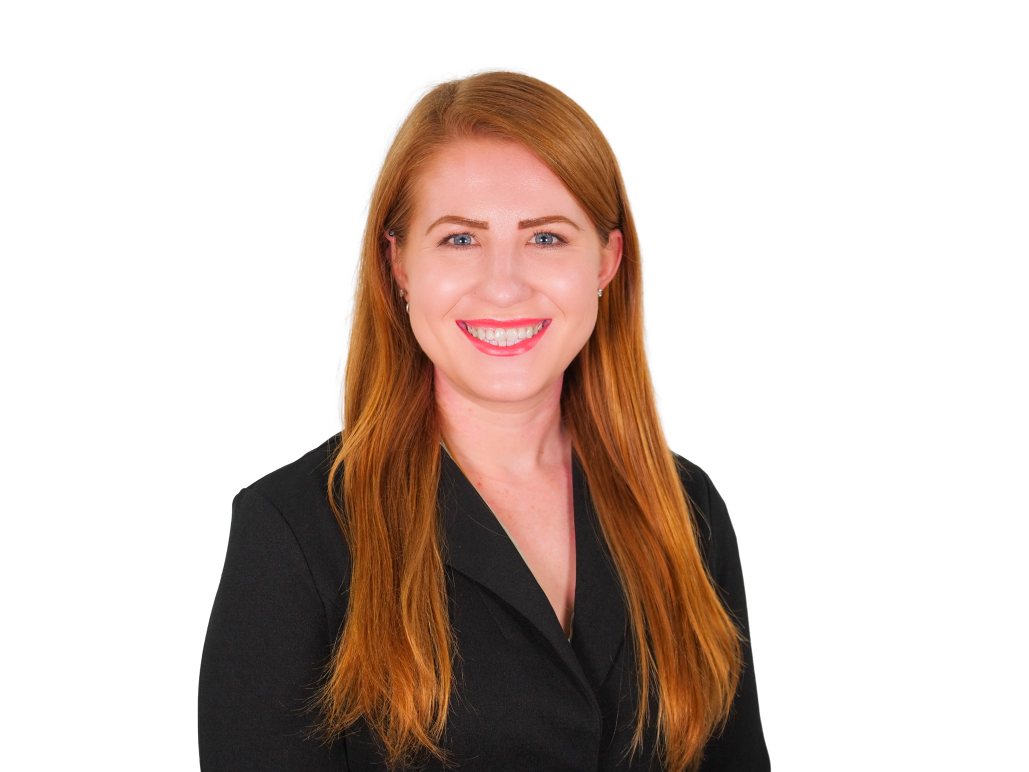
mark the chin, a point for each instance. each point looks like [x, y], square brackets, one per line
[503, 389]
[505, 393]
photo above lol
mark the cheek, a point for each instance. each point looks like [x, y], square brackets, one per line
[438, 287]
[435, 291]
[574, 291]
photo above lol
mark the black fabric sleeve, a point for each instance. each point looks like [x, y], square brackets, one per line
[267, 643]
[741, 746]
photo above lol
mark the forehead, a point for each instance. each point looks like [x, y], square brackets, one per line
[483, 177]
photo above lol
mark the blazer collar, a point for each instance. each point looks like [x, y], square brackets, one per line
[477, 545]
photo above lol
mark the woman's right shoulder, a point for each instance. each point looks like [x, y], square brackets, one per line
[298, 495]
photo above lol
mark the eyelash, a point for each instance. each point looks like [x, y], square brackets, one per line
[445, 241]
[557, 239]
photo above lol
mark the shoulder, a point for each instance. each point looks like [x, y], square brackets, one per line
[713, 526]
[298, 494]
[301, 485]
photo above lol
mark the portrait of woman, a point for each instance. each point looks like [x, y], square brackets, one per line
[380, 380]
[499, 564]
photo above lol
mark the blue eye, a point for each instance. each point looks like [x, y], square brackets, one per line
[545, 239]
[460, 239]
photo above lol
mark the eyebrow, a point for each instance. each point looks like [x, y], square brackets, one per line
[482, 225]
[535, 223]
[455, 220]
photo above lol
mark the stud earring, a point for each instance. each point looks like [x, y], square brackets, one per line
[600, 293]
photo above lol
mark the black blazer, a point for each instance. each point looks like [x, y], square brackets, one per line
[527, 698]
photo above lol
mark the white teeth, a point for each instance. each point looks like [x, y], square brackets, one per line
[503, 336]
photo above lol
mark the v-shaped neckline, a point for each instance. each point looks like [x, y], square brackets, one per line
[477, 545]
[514, 542]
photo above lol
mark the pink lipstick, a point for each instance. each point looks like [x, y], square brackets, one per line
[504, 337]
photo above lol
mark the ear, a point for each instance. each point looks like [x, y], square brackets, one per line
[610, 258]
[396, 265]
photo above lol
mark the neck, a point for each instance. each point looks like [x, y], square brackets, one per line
[503, 439]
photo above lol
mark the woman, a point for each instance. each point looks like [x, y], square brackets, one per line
[498, 564]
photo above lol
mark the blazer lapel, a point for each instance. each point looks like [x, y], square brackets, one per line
[599, 628]
[477, 545]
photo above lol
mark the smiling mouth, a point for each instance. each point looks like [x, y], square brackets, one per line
[502, 337]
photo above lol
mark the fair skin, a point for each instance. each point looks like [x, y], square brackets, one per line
[497, 242]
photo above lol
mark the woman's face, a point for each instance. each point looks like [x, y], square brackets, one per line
[501, 268]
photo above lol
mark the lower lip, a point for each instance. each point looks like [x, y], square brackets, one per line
[505, 351]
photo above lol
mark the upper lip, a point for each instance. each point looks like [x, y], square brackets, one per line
[504, 323]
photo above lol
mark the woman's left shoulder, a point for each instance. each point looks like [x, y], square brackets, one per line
[714, 527]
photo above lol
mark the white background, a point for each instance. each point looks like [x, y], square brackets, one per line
[833, 202]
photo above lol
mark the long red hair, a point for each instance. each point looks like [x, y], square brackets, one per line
[392, 664]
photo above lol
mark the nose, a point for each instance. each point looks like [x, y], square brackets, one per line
[504, 280]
